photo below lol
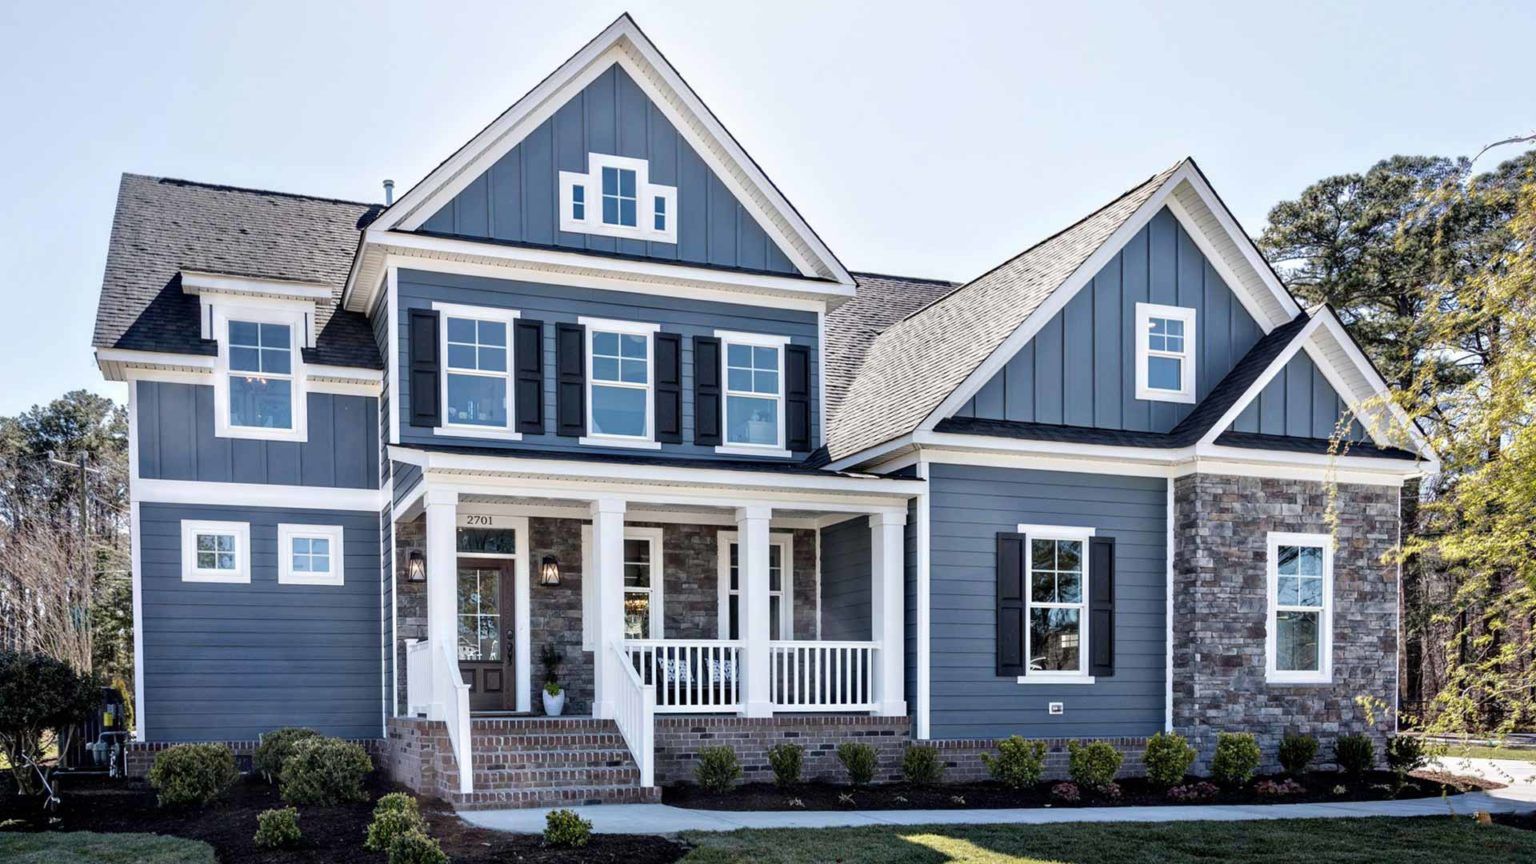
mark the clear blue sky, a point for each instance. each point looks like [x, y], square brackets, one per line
[927, 139]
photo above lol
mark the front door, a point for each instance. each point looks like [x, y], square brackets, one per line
[485, 633]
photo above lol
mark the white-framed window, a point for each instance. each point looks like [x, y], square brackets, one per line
[476, 371]
[215, 551]
[616, 198]
[1165, 353]
[781, 581]
[620, 375]
[1299, 628]
[754, 393]
[1056, 594]
[259, 385]
[644, 583]
[310, 555]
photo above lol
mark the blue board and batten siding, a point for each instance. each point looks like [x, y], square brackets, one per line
[553, 304]
[228, 662]
[968, 507]
[515, 199]
[1299, 403]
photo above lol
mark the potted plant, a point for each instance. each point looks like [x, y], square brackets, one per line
[554, 695]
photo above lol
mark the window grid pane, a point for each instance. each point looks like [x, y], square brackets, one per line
[1056, 605]
[619, 197]
[215, 551]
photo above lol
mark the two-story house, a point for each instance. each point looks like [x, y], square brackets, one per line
[593, 386]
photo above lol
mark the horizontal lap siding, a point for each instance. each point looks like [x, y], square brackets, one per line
[553, 303]
[845, 581]
[232, 661]
[968, 507]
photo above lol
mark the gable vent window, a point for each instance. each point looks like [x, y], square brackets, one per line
[626, 203]
[1165, 353]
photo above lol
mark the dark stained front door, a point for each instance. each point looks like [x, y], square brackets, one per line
[485, 633]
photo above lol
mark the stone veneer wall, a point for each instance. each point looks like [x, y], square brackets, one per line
[410, 599]
[554, 613]
[1220, 608]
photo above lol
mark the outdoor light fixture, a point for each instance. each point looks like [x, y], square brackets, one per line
[549, 571]
[416, 567]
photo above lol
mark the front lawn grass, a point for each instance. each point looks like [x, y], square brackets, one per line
[1433, 840]
[1452, 752]
[85, 847]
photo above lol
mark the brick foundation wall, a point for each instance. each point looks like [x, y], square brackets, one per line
[962, 757]
[409, 754]
[678, 740]
[1220, 610]
[141, 755]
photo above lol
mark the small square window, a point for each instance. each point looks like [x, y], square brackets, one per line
[215, 551]
[310, 555]
[579, 201]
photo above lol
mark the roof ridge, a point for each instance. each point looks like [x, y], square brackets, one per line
[224, 187]
[924, 279]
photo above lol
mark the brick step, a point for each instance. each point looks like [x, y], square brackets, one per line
[573, 778]
[498, 799]
[551, 759]
[546, 742]
[540, 724]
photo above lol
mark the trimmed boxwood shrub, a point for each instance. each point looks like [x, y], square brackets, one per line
[416, 847]
[325, 771]
[1237, 758]
[277, 828]
[718, 768]
[921, 766]
[1167, 758]
[1296, 753]
[1018, 763]
[1093, 765]
[1355, 754]
[275, 748]
[394, 816]
[565, 830]
[858, 760]
[786, 760]
[192, 773]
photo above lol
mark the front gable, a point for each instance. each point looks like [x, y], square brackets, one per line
[520, 197]
[1298, 402]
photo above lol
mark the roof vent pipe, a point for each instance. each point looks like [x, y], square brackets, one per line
[389, 192]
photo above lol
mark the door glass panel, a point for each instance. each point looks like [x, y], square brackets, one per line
[479, 614]
[487, 541]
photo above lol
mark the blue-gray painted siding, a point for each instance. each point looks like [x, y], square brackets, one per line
[515, 200]
[1298, 402]
[551, 304]
[969, 506]
[231, 661]
[176, 441]
[1080, 369]
[845, 581]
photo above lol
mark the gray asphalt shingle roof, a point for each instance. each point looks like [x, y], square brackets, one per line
[850, 328]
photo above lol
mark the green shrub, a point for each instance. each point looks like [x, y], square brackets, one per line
[193, 773]
[402, 801]
[785, 760]
[1296, 753]
[1167, 757]
[277, 828]
[1237, 758]
[718, 768]
[1405, 754]
[391, 822]
[858, 760]
[276, 746]
[38, 693]
[415, 847]
[1018, 763]
[921, 766]
[325, 771]
[1093, 765]
[566, 830]
[1355, 754]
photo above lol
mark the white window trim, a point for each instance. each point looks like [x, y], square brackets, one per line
[763, 340]
[478, 313]
[646, 194]
[589, 583]
[592, 326]
[1145, 312]
[786, 544]
[287, 533]
[1324, 673]
[296, 319]
[658, 577]
[1057, 532]
[190, 572]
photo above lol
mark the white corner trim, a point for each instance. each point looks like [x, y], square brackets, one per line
[1188, 386]
[1324, 672]
[240, 531]
[1168, 547]
[288, 532]
[924, 604]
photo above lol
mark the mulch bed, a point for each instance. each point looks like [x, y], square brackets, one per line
[957, 796]
[332, 835]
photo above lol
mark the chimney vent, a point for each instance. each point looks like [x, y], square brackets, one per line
[389, 192]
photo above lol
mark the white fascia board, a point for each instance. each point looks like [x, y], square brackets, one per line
[197, 282]
[122, 364]
[360, 374]
[1244, 243]
[1381, 390]
[151, 491]
[1274, 368]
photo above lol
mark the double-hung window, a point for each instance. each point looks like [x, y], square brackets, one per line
[477, 383]
[215, 551]
[261, 385]
[1056, 630]
[780, 586]
[619, 381]
[310, 555]
[1165, 353]
[642, 583]
[754, 392]
[615, 197]
[1299, 631]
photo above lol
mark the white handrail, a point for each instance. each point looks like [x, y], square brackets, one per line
[822, 676]
[634, 712]
[455, 703]
[689, 675]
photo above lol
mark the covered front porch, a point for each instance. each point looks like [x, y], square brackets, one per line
[663, 590]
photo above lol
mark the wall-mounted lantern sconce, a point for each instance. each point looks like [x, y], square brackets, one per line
[416, 566]
[549, 571]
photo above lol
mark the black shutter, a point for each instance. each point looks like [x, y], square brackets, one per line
[706, 390]
[669, 388]
[570, 380]
[426, 398]
[797, 397]
[528, 376]
[1101, 606]
[1011, 583]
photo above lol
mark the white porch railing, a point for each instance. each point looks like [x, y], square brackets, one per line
[690, 675]
[822, 676]
[455, 706]
[418, 676]
[634, 712]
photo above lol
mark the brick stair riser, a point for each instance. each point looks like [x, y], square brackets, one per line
[546, 742]
[506, 799]
[575, 778]
[537, 761]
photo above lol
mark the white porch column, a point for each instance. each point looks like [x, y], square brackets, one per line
[887, 574]
[608, 571]
[442, 580]
[753, 612]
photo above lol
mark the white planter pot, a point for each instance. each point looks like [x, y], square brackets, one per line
[554, 706]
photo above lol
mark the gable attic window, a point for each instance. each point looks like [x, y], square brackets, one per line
[259, 383]
[625, 203]
[1165, 353]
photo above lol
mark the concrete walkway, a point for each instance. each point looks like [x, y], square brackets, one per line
[1518, 797]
